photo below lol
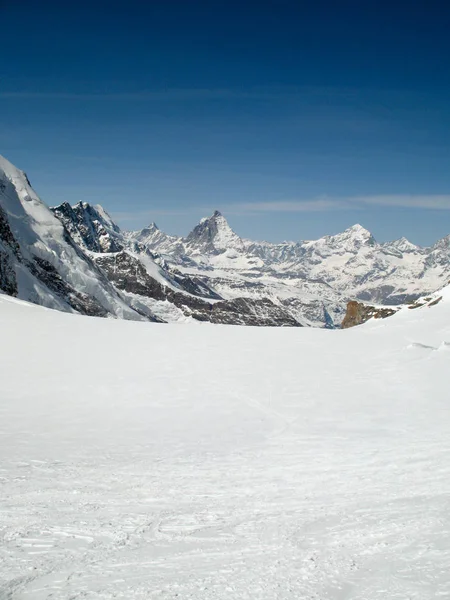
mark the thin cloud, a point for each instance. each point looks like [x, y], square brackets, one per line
[424, 202]
[430, 202]
[170, 94]
[183, 94]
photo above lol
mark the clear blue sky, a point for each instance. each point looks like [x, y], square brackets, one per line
[293, 118]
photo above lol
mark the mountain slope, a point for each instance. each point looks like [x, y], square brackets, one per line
[39, 260]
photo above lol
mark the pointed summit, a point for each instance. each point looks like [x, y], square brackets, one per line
[213, 235]
[151, 228]
[152, 237]
[214, 217]
[357, 235]
[358, 230]
[404, 245]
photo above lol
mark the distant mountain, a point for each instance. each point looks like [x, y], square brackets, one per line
[312, 279]
[76, 258]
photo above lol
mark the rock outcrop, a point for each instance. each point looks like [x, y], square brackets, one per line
[358, 313]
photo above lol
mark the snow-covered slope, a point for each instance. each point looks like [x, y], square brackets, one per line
[40, 262]
[157, 461]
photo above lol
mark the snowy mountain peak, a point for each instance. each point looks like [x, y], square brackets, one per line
[90, 226]
[443, 243]
[358, 231]
[216, 214]
[404, 245]
[216, 219]
[213, 234]
[356, 236]
[350, 240]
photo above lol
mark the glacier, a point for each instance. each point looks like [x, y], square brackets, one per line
[146, 460]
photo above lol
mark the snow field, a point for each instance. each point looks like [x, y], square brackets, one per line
[172, 461]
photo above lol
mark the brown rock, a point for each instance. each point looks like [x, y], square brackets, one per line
[358, 313]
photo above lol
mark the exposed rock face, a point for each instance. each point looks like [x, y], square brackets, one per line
[213, 235]
[9, 249]
[80, 302]
[40, 262]
[358, 313]
[89, 226]
[130, 275]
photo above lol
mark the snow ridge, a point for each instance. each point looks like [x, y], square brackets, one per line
[309, 281]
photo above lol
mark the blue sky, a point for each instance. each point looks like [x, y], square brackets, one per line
[295, 119]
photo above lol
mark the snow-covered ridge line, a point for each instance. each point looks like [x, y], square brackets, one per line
[76, 259]
[315, 277]
[129, 274]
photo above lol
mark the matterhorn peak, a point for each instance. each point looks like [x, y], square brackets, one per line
[217, 215]
[152, 227]
[213, 234]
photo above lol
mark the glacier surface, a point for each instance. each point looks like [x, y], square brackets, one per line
[142, 460]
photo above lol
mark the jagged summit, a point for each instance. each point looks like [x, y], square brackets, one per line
[39, 260]
[90, 226]
[213, 234]
[216, 214]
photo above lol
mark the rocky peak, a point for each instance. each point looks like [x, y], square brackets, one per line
[151, 237]
[358, 313]
[213, 234]
[89, 226]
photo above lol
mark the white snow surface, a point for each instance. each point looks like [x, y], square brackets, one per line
[157, 461]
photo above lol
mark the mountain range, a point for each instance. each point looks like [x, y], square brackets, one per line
[76, 259]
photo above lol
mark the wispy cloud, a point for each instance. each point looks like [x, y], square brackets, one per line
[273, 92]
[169, 94]
[424, 202]
[322, 204]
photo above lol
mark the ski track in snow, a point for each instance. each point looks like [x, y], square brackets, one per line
[145, 461]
